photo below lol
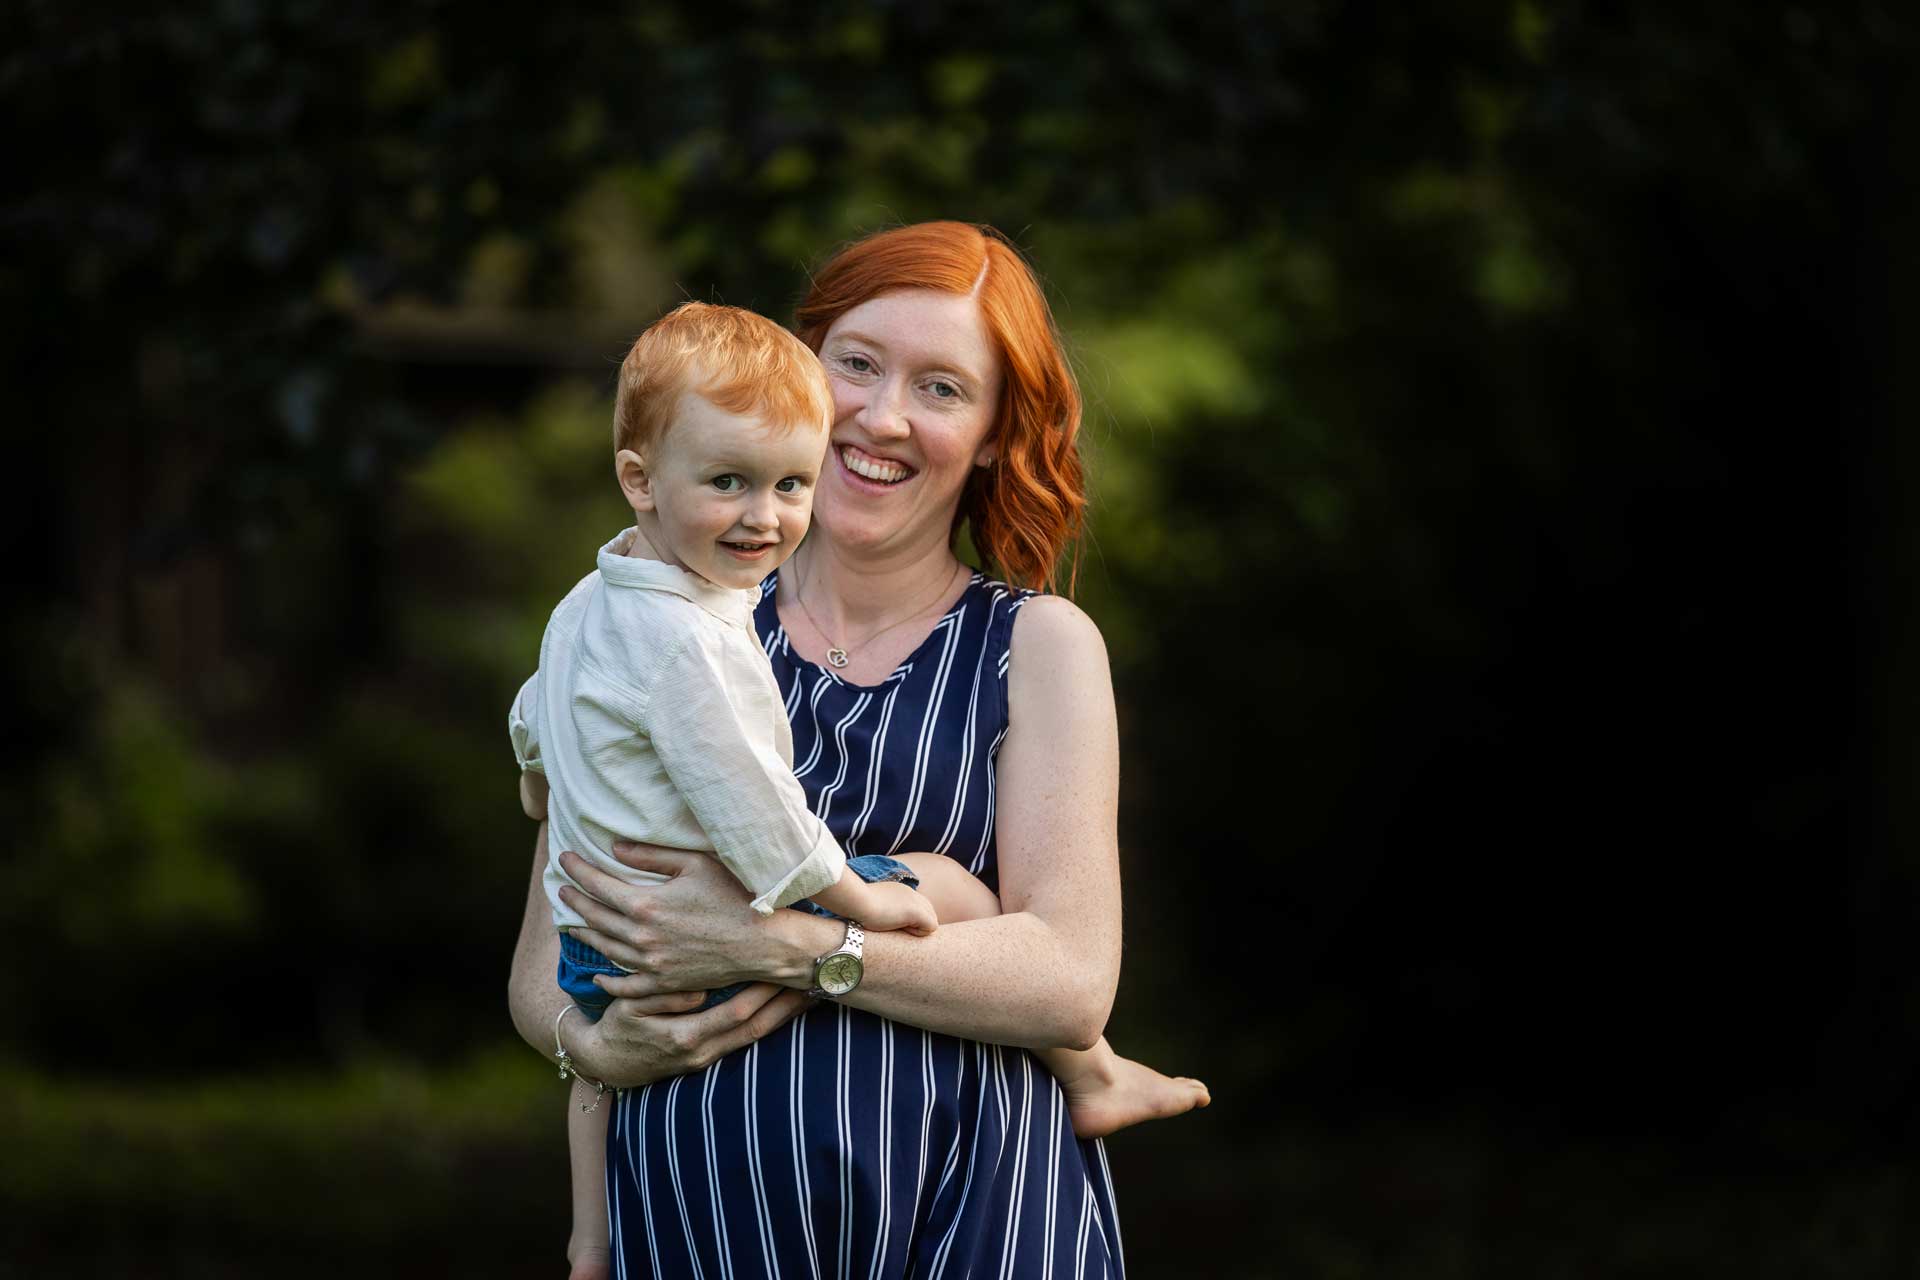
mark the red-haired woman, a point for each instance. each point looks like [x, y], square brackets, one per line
[902, 1126]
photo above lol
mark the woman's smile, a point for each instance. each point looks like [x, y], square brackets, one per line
[880, 472]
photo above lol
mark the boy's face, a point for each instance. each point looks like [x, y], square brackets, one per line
[730, 498]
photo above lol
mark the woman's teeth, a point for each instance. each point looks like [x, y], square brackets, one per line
[872, 469]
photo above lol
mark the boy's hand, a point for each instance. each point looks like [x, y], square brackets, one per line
[890, 906]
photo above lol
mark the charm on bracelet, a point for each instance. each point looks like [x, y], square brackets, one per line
[568, 1069]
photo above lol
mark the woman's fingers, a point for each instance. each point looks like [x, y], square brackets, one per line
[629, 986]
[608, 889]
[653, 857]
[677, 1042]
[638, 982]
[606, 926]
[742, 1020]
[645, 1005]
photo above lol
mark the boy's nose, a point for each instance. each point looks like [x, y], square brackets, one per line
[760, 514]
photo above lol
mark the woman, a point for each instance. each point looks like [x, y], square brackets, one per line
[901, 1128]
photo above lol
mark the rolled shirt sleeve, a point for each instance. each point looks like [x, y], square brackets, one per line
[716, 724]
[522, 716]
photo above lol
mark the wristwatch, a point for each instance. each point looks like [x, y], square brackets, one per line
[838, 972]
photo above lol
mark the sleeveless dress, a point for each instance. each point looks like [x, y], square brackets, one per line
[843, 1144]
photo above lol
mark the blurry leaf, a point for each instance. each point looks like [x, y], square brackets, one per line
[128, 848]
[406, 73]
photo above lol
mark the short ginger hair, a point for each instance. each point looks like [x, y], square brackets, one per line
[736, 360]
[1026, 509]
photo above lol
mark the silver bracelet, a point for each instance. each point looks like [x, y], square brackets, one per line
[566, 1063]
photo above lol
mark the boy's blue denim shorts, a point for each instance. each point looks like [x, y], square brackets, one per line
[580, 962]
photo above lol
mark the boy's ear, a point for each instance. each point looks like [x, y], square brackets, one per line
[635, 480]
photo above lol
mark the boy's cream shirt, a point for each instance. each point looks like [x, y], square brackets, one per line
[655, 718]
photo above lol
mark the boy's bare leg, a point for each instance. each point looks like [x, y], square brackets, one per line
[1105, 1092]
[588, 1248]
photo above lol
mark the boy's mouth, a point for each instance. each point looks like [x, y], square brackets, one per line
[870, 467]
[748, 550]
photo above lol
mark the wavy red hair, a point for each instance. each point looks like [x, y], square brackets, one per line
[1025, 510]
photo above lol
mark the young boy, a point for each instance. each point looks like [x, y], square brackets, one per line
[655, 717]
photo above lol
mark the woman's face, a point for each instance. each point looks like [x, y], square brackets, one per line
[916, 387]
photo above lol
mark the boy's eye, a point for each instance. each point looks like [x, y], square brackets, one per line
[791, 484]
[729, 483]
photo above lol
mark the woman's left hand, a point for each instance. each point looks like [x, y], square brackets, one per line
[695, 931]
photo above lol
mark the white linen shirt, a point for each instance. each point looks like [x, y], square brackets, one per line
[655, 718]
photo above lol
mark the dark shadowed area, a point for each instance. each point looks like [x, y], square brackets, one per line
[1501, 424]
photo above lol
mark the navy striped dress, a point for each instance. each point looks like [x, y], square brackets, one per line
[845, 1145]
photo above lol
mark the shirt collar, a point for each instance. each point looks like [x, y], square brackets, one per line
[619, 569]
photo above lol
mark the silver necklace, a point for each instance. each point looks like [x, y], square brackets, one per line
[839, 655]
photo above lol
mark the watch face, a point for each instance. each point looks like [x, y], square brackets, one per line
[839, 974]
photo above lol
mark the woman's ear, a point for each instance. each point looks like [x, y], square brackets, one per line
[635, 480]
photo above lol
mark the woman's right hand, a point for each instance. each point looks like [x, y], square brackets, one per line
[643, 1039]
[639, 1039]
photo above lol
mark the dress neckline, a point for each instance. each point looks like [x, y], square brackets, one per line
[770, 599]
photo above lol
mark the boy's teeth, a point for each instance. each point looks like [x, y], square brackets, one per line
[884, 472]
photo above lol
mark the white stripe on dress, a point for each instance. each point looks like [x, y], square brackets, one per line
[806, 766]
[885, 1102]
[875, 755]
[762, 1215]
[967, 738]
[923, 748]
[797, 1130]
[1054, 1125]
[1020, 1147]
[720, 1242]
[824, 805]
[673, 1170]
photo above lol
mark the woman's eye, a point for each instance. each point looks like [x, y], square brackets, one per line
[943, 390]
[729, 483]
[857, 364]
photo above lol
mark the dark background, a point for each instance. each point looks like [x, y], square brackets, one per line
[1502, 530]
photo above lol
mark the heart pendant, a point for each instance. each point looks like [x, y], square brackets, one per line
[836, 657]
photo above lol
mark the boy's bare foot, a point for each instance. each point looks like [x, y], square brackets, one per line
[1106, 1092]
[591, 1262]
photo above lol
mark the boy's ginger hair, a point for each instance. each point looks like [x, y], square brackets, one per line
[735, 360]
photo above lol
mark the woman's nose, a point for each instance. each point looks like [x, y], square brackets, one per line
[881, 417]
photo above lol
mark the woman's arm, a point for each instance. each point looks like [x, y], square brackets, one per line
[1042, 974]
[638, 1040]
[1050, 964]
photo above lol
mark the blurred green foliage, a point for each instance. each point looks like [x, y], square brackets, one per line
[1417, 346]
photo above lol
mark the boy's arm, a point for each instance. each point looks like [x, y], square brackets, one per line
[533, 795]
[882, 906]
[730, 774]
[955, 892]
[521, 722]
